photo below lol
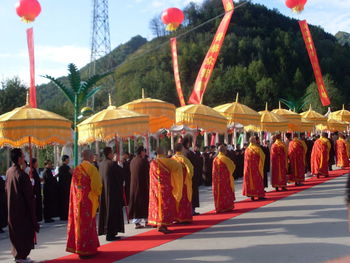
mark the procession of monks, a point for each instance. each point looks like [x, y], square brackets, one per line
[165, 191]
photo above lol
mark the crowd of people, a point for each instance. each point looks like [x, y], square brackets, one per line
[158, 192]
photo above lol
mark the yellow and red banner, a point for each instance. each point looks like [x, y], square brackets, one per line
[310, 46]
[209, 62]
[176, 71]
[32, 88]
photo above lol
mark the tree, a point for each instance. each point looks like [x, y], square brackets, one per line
[156, 26]
[12, 94]
[335, 96]
[77, 93]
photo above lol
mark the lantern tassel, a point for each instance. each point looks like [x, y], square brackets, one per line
[172, 26]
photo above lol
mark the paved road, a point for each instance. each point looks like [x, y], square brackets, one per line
[307, 227]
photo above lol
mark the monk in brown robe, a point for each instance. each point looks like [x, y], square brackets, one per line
[21, 208]
[139, 188]
[3, 206]
[111, 220]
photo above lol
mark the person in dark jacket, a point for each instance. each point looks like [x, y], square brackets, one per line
[64, 182]
[139, 188]
[3, 206]
[197, 171]
[37, 191]
[111, 219]
[126, 173]
[51, 195]
[207, 167]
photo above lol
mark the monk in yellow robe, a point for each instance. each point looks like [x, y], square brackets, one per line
[223, 183]
[320, 156]
[342, 149]
[165, 193]
[86, 187]
[184, 210]
[253, 179]
[297, 160]
[279, 164]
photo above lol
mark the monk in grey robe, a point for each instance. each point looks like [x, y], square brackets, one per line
[22, 219]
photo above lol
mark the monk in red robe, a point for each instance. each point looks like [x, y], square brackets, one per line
[253, 179]
[342, 152]
[165, 191]
[320, 156]
[279, 164]
[297, 160]
[223, 183]
[86, 187]
[184, 211]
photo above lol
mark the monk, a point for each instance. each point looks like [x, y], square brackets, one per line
[139, 188]
[165, 191]
[279, 164]
[253, 179]
[223, 182]
[320, 156]
[342, 152]
[184, 210]
[86, 187]
[111, 219]
[22, 219]
[297, 160]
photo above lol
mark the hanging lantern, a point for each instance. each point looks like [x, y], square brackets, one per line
[296, 5]
[172, 17]
[28, 10]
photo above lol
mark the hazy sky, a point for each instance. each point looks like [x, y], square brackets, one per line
[63, 29]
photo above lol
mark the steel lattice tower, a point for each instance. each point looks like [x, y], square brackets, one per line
[100, 40]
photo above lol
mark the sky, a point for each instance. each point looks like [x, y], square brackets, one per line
[62, 32]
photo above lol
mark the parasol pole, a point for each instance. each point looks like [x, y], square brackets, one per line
[206, 139]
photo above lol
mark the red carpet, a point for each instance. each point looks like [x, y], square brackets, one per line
[135, 244]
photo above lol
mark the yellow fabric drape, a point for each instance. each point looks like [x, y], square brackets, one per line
[175, 170]
[230, 167]
[189, 167]
[256, 149]
[96, 185]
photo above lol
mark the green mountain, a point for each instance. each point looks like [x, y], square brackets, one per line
[263, 59]
[343, 37]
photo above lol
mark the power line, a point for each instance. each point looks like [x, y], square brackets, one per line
[179, 36]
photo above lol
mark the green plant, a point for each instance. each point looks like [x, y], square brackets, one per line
[78, 92]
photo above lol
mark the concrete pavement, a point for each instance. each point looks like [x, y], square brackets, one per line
[310, 226]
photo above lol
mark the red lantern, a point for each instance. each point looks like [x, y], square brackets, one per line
[296, 5]
[172, 17]
[28, 10]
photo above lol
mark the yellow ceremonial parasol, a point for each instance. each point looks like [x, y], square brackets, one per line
[111, 122]
[333, 126]
[236, 112]
[306, 126]
[341, 115]
[201, 116]
[294, 119]
[272, 122]
[161, 113]
[314, 117]
[26, 125]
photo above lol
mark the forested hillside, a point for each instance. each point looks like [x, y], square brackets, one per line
[263, 58]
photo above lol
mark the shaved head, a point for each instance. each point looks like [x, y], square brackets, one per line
[87, 155]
